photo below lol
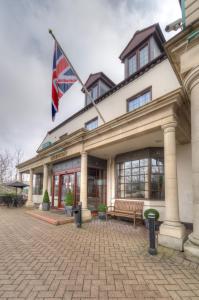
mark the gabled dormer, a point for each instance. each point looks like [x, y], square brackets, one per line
[97, 85]
[144, 47]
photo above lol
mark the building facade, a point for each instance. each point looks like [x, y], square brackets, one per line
[143, 151]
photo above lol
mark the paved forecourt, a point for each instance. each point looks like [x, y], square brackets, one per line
[100, 261]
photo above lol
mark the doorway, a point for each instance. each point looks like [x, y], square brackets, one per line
[62, 184]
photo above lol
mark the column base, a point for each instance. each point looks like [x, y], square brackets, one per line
[86, 214]
[29, 204]
[172, 235]
[191, 248]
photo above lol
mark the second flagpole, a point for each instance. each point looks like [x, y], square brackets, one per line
[84, 87]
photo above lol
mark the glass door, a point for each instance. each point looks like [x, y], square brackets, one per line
[67, 184]
[96, 188]
[62, 184]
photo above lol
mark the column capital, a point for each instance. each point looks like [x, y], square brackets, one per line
[84, 153]
[191, 79]
[169, 127]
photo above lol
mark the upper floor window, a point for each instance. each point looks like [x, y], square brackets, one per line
[144, 56]
[141, 56]
[92, 124]
[139, 100]
[132, 64]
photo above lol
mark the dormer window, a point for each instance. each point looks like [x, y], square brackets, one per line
[145, 46]
[97, 85]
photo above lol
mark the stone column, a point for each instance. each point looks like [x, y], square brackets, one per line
[20, 176]
[45, 178]
[113, 178]
[191, 247]
[109, 182]
[172, 232]
[29, 202]
[86, 214]
[19, 191]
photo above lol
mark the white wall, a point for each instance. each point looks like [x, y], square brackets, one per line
[162, 79]
[185, 182]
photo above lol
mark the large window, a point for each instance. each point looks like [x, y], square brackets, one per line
[139, 100]
[144, 56]
[133, 178]
[37, 184]
[157, 178]
[92, 124]
[140, 175]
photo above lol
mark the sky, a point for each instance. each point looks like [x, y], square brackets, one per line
[93, 33]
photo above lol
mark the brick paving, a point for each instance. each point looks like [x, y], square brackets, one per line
[100, 261]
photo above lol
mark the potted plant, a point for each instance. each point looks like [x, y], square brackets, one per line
[102, 211]
[46, 201]
[69, 201]
[156, 213]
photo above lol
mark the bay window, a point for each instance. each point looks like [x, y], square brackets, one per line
[140, 174]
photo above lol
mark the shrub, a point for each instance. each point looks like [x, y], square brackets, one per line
[102, 207]
[69, 199]
[46, 197]
[151, 210]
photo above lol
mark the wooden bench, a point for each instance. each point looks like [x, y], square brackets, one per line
[126, 208]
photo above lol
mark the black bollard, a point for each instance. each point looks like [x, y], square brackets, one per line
[77, 212]
[152, 248]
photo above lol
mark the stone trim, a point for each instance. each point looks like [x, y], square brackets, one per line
[192, 79]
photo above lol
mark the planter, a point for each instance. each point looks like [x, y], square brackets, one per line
[102, 215]
[68, 210]
[157, 224]
[45, 206]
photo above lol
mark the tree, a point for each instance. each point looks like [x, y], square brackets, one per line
[8, 162]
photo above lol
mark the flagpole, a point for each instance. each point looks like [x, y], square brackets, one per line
[84, 87]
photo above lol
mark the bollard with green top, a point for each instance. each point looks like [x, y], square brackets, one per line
[152, 247]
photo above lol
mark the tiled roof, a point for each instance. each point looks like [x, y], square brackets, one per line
[140, 36]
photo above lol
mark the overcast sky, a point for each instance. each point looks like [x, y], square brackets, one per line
[92, 32]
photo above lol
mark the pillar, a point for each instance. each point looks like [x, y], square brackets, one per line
[29, 202]
[113, 178]
[45, 178]
[172, 232]
[109, 182]
[19, 190]
[20, 176]
[191, 246]
[86, 214]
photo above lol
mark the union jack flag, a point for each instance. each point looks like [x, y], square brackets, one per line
[63, 78]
